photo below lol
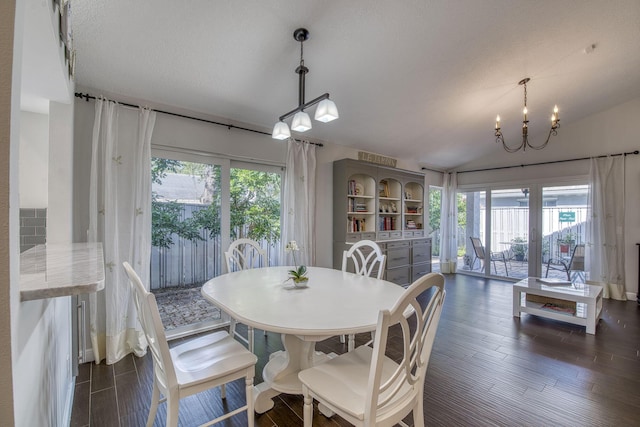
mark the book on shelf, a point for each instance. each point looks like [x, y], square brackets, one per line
[355, 225]
[352, 187]
[411, 225]
[387, 223]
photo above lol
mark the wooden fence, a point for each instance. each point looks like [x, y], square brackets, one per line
[191, 263]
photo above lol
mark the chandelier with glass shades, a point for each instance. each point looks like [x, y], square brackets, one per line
[555, 124]
[325, 112]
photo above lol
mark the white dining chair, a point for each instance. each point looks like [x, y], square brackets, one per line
[367, 259]
[191, 367]
[244, 254]
[367, 388]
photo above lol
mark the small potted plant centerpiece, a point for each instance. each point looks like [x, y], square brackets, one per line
[299, 274]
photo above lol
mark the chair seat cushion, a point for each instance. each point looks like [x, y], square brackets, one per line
[209, 356]
[342, 381]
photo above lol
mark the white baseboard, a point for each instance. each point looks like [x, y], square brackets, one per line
[631, 296]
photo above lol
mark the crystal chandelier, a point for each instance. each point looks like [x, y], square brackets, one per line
[326, 111]
[555, 124]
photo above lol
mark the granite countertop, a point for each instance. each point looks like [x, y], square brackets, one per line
[54, 270]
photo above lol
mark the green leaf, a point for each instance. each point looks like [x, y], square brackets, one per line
[302, 270]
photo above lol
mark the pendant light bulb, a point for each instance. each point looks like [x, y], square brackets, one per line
[281, 131]
[326, 111]
[301, 122]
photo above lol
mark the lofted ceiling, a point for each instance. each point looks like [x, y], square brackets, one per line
[421, 79]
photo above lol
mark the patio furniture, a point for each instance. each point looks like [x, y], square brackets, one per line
[261, 298]
[191, 367]
[244, 254]
[575, 263]
[367, 388]
[479, 253]
[368, 260]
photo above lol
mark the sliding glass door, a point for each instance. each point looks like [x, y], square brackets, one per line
[537, 230]
[472, 236]
[200, 204]
[255, 205]
[187, 244]
[564, 227]
[509, 228]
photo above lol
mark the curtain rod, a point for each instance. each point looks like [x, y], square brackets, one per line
[431, 170]
[87, 97]
[552, 162]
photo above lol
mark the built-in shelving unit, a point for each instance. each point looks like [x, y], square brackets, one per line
[385, 205]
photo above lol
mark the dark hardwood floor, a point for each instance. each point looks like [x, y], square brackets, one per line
[487, 369]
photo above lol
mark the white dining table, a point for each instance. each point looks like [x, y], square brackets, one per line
[333, 303]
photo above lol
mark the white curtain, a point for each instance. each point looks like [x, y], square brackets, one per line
[449, 224]
[605, 239]
[300, 202]
[120, 217]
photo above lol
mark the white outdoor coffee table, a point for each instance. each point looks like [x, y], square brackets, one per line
[334, 303]
[588, 299]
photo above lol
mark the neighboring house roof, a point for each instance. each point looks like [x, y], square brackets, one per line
[180, 188]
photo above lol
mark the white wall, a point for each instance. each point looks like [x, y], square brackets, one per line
[60, 208]
[43, 386]
[11, 13]
[39, 389]
[608, 132]
[34, 160]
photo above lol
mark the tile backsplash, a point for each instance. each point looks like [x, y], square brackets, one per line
[33, 228]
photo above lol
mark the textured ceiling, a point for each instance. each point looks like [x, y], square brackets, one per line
[412, 79]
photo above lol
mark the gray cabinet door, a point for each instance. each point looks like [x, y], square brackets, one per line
[421, 251]
[419, 270]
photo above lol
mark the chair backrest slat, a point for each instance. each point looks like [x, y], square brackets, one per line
[478, 247]
[417, 314]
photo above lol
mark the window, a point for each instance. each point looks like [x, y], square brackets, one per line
[199, 207]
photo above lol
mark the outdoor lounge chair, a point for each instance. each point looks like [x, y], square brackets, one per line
[479, 252]
[573, 264]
